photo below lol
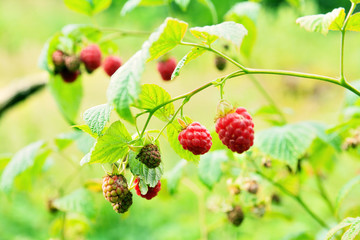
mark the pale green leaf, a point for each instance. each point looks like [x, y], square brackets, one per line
[345, 190]
[124, 87]
[174, 175]
[173, 131]
[21, 161]
[131, 4]
[354, 23]
[79, 31]
[79, 201]
[248, 9]
[323, 22]
[143, 187]
[151, 176]
[87, 7]
[194, 53]
[100, 5]
[63, 140]
[152, 96]
[344, 223]
[112, 146]
[183, 4]
[353, 231]
[86, 129]
[287, 143]
[97, 117]
[210, 167]
[45, 58]
[231, 31]
[168, 36]
[85, 159]
[68, 96]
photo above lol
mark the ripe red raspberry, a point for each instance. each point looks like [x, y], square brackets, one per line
[69, 76]
[236, 130]
[152, 191]
[58, 59]
[150, 156]
[111, 64]
[195, 138]
[166, 68]
[115, 188]
[72, 63]
[236, 216]
[91, 57]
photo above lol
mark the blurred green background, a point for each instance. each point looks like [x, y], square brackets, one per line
[25, 26]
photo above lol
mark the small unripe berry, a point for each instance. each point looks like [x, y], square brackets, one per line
[150, 156]
[58, 60]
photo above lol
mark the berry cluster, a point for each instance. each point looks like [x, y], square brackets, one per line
[116, 191]
[68, 65]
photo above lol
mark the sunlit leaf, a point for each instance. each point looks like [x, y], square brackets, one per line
[97, 117]
[346, 222]
[87, 7]
[194, 53]
[353, 231]
[345, 190]
[354, 23]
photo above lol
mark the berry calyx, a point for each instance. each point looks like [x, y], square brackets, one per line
[111, 64]
[150, 156]
[220, 63]
[58, 60]
[236, 216]
[69, 76]
[166, 68]
[236, 130]
[195, 138]
[91, 57]
[152, 191]
[72, 63]
[115, 188]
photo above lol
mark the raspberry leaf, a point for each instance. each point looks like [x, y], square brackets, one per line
[88, 7]
[210, 167]
[45, 58]
[131, 4]
[288, 143]
[173, 131]
[68, 96]
[355, 1]
[167, 37]
[353, 231]
[343, 224]
[79, 201]
[97, 117]
[323, 22]
[344, 192]
[86, 129]
[354, 23]
[183, 4]
[78, 31]
[124, 87]
[174, 175]
[63, 140]
[112, 146]
[143, 187]
[26, 158]
[194, 53]
[231, 31]
[152, 96]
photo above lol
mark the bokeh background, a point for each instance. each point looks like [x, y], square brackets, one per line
[25, 26]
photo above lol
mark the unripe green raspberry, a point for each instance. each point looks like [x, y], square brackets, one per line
[150, 156]
[72, 63]
[115, 188]
[123, 205]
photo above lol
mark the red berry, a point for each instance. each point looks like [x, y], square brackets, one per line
[69, 76]
[91, 57]
[166, 68]
[236, 130]
[152, 191]
[195, 138]
[111, 64]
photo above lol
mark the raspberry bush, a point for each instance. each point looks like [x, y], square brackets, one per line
[247, 171]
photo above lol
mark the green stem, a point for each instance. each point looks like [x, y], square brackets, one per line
[323, 193]
[343, 31]
[63, 226]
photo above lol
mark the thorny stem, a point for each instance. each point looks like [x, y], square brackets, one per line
[343, 31]
[202, 210]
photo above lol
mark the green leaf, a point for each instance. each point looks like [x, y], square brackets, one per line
[183, 4]
[173, 131]
[353, 231]
[87, 7]
[355, 1]
[248, 9]
[79, 201]
[79, 31]
[45, 58]
[345, 190]
[86, 129]
[85, 159]
[21, 161]
[194, 53]
[143, 187]
[152, 96]
[167, 37]
[67, 96]
[112, 146]
[287, 143]
[131, 4]
[173, 176]
[124, 87]
[210, 167]
[231, 31]
[4, 160]
[354, 23]
[97, 117]
[63, 140]
[323, 22]
[344, 223]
